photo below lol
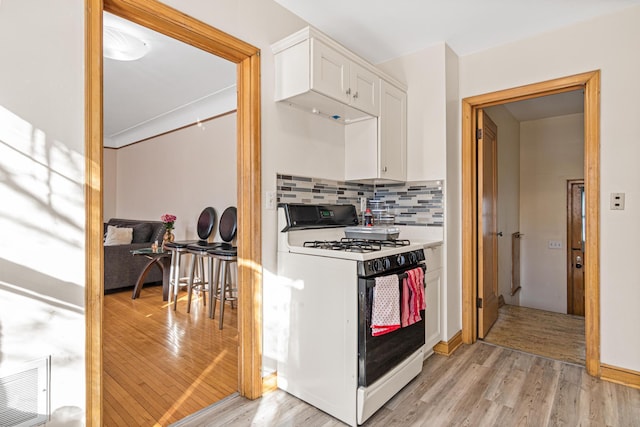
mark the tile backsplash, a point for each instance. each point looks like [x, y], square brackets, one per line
[413, 203]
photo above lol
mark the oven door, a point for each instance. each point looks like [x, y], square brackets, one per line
[380, 354]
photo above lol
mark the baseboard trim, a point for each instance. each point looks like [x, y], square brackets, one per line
[446, 348]
[618, 375]
[269, 383]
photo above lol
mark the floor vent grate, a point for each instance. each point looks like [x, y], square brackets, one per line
[24, 394]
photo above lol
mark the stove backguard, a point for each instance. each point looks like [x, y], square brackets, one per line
[301, 216]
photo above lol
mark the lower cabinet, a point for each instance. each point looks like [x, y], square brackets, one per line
[433, 285]
[433, 297]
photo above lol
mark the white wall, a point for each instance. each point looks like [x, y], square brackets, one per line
[609, 44]
[551, 152]
[42, 277]
[452, 295]
[508, 195]
[180, 173]
[109, 182]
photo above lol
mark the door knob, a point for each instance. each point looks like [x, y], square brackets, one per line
[578, 262]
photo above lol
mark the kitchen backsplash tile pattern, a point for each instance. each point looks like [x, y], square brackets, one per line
[298, 189]
[413, 203]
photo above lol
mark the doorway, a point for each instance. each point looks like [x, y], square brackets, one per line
[540, 146]
[590, 83]
[175, 24]
[575, 246]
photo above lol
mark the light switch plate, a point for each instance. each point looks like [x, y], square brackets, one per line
[617, 201]
[270, 200]
[555, 244]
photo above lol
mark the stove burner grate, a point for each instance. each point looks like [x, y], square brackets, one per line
[385, 243]
[336, 245]
[355, 245]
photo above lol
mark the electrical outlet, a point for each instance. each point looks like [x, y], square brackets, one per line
[270, 200]
[555, 244]
[617, 201]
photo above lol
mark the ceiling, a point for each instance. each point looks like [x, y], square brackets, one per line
[379, 30]
[176, 84]
[547, 106]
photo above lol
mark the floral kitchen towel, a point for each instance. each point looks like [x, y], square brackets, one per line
[385, 310]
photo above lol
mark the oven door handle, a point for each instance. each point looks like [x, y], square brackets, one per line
[401, 276]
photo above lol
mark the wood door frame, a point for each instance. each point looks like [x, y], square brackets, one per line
[590, 83]
[570, 184]
[164, 19]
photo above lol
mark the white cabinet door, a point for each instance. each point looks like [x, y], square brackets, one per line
[329, 72]
[387, 159]
[433, 290]
[392, 158]
[364, 89]
[433, 329]
[334, 75]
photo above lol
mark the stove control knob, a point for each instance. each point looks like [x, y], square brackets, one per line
[400, 259]
[413, 257]
[371, 266]
[377, 265]
[386, 263]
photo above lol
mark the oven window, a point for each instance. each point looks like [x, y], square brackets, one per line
[378, 355]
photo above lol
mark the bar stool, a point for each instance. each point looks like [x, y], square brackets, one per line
[206, 222]
[196, 270]
[199, 253]
[225, 254]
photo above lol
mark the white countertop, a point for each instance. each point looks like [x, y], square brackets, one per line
[357, 256]
[427, 243]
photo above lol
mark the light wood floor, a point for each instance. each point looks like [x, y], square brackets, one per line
[479, 385]
[555, 335]
[160, 365]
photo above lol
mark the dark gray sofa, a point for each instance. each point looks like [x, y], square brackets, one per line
[121, 268]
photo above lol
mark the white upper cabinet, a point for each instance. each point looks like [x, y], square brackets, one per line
[376, 149]
[334, 75]
[321, 76]
[315, 73]
[364, 89]
[392, 162]
[329, 72]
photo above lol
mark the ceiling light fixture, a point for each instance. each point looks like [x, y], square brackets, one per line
[122, 46]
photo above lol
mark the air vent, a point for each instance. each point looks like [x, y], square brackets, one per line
[24, 394]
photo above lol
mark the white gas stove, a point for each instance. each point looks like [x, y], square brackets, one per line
[330, 241]
[331, 360]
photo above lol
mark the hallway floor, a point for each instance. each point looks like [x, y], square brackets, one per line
[543, 333]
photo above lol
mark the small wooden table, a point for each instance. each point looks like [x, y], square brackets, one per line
[160, 258]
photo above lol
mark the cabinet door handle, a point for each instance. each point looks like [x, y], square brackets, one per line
[384, 169]
[349, 91]
[355, 95]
